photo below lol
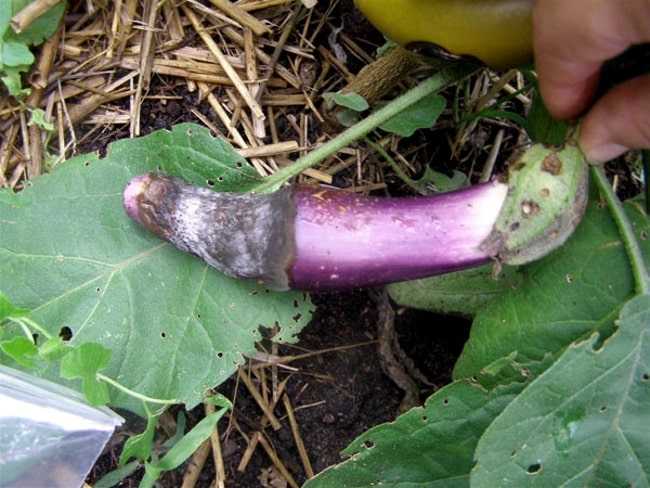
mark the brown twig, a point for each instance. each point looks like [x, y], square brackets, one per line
[32, 11]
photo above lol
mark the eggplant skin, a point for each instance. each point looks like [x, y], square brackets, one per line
[344, 240]
[316, 238]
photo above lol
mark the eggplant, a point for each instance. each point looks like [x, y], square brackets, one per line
[319, 238]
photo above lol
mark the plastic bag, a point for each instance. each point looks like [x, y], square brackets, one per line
[48, 436]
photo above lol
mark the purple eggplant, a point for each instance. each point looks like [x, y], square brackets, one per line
[317, 238]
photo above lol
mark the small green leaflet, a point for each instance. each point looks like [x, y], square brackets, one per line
[85, 362]
[421, 115]
[353, 101]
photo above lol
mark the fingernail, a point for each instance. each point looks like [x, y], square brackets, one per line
[602, 153]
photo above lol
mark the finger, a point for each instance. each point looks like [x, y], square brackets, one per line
[619, 121]
[572, 39]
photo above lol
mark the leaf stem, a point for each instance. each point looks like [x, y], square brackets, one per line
[645, 159]
[135, 394]
[442, 78]
[391, 162]
[637, 261]
[26, 322]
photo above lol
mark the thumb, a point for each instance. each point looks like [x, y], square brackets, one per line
[618, 121]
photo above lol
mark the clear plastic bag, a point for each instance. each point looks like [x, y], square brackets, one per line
[49, 437]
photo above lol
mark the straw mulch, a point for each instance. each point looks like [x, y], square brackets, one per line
[240, 69]
[252, 71]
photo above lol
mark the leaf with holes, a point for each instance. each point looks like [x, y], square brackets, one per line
[584, 422]
[567, 296]
[426, 446]
[71, 255]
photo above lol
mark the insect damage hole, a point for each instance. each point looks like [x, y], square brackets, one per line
[534, 468]
[65, 333]
[552, 164]
[368, 444]
[528, 208]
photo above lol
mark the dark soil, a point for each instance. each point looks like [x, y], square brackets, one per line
[343, 393]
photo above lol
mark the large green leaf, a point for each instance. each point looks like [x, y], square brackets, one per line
[462, 293]
[572, 293]
[427, 446]
[584, 422]
[70, 254]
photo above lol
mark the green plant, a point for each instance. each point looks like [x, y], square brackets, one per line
[15, 54]
[536, 387]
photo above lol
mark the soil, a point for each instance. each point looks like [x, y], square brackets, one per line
[336, 395]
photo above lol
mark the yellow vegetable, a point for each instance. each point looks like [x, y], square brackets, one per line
[497, 32]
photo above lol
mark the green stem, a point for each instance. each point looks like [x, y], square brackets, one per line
[645, 158]
[26, 322]
[135, 394]
[637, 261]
[391, 162]
[436, 82]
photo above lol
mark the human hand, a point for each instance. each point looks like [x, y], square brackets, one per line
[571, 41]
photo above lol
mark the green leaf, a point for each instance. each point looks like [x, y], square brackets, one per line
[541, 126]
[353, 101]
[85, 362]
[44, 26]
[461, 293]
[183, 449]
[427, 446]
[175, 326]
[38, 119]
[21, 350]
[113, 478]
[584, 422]
[11, 79]
[140, 446]
[567, 296]
[9, 311]
[421, 115]
[433, 181]
[15, 54]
